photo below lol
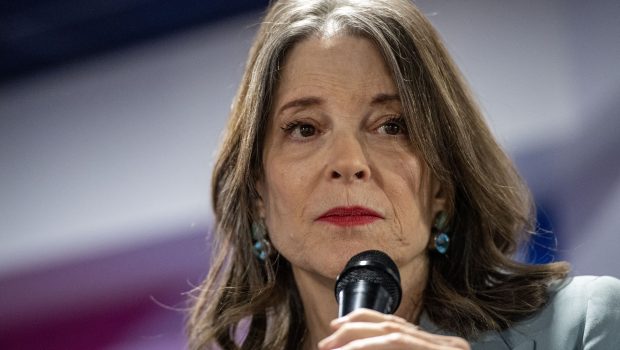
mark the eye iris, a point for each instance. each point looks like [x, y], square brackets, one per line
[306, 130]
[392, 128]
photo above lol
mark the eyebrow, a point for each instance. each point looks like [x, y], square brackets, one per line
[384, 98]
[302, 102]
[310, 101]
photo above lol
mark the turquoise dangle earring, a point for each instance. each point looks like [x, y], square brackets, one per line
[261, 246]
[440, 241]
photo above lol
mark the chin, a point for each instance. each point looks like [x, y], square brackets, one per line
[331, 266]
[320, 265]
[328, 259]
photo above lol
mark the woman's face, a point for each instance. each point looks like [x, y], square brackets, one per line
[339, 174]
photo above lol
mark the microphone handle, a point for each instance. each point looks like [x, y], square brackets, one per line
[364, 294]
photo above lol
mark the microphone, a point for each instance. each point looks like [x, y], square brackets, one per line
[369, 280]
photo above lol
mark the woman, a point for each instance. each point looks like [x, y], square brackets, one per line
[353, 130]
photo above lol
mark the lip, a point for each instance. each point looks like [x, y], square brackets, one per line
[349, 216]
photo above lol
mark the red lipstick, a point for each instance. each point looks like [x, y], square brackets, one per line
[349, 216]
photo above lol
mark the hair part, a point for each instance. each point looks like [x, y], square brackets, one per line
[477, 287]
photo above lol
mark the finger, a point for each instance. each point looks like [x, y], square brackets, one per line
[351, 331]
[366, 315]
[381, 324]
[372, 316]
[397, 341]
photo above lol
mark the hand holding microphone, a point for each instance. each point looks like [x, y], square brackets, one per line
[368, 292]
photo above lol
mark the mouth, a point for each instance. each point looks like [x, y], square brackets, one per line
[349, 216]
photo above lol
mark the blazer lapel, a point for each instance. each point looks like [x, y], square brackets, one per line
[527, 345]
[505, 340]
[517, 340]
[497, 342]
[490, 341]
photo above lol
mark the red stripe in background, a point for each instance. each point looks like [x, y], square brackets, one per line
[111, 301]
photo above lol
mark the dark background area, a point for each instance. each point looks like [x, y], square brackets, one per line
[39, 34]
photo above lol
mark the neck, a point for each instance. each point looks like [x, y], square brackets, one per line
[320, 306]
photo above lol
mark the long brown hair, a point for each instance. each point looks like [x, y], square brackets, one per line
[250, 304]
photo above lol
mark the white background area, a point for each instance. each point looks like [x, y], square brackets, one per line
[116, 151]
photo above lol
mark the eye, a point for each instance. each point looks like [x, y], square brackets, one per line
[299, 130]
[393, 126]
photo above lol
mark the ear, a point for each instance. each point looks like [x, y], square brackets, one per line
[438, 195]
[259, 203]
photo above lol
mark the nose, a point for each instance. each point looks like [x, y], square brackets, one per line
[348, 160]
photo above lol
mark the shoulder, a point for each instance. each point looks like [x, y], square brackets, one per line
[602, 317]
[589, 284]
[586, 288]
[592, 295]
[582, 310]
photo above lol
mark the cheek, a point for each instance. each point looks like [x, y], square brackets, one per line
[409, 192]
[289, 233]
[286, 193]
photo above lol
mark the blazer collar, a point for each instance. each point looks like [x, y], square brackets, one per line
[508, 339]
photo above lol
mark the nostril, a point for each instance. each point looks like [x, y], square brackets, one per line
[336, 175]
[359, 174]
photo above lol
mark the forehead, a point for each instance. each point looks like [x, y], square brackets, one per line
[342, 63]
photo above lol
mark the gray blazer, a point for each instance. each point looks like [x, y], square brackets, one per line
[583, 313]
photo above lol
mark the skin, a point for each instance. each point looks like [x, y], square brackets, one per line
[336, 138]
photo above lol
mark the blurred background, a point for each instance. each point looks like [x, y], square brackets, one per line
[111, 112]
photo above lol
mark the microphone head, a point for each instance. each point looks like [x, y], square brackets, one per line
[372, 266]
